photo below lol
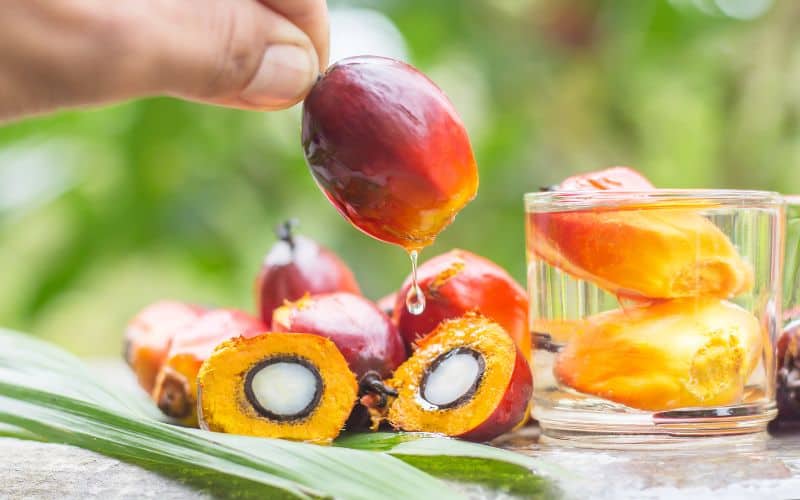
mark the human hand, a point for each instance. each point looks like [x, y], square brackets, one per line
[251, 54]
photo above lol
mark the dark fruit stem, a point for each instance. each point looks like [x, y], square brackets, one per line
[544, 342]
[284, 231]
[371, 383]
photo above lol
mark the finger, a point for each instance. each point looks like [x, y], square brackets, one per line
[311, 16]
[232, 52]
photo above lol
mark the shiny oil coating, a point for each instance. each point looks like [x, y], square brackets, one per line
[388, 150]
[458, 282]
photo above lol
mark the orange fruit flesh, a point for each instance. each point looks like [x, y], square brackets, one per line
[681, 353]
[656, 253]
[409, 411]
[223, 403]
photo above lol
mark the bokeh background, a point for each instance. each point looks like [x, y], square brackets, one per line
[104, 211]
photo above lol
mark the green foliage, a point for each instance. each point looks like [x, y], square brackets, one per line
[161, 198]
[47, 394]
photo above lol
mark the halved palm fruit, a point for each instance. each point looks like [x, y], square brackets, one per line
[280, 385]
[676, 354]
[466, 379]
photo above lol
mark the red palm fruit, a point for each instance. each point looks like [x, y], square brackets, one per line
[612, 178]
[386, 303]
[684, 253]
[295, 266]
[387, 148]
[457, 282]
[149, 335]
[788, 378]
[467, 379]
[175, 390]
[366, 337]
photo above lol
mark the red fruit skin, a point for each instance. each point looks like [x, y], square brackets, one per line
[788, 373]
[201, 337]
[366, 337]
[149, 334]
[511, 409]
[386, 304]
[293, 269]
[458, 282]
[388, 149]
[612, 178]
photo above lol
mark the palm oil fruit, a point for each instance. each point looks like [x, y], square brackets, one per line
[466, 379]
[457, 282]
[363, 334]
[387, 303]
[148, 337]
[612, 178]
[788, 375]
[295, 266]
[675, 354]
[279, 385]
[388, 150]
[684, 253]
[175, 391]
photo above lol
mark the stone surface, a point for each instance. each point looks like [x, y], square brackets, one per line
[769, 470]
[761, 467]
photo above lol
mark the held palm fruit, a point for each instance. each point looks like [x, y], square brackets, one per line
[676, 354]
[279, 385]
[295, 266]
[466, 379]
[175, 391]
[363, 334]
[684, 254]
[458, 282]
[149, 334]
[388, 150]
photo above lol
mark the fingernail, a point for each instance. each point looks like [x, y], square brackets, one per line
[285, 74]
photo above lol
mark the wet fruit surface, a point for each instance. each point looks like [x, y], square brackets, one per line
[458, 282]
[388, 150]
[281, 385]
[466, 379]
[646, 252]
[295, 266]
[363, 334]
[638, 252]
[175, 392]
[149, 334]
[682, 353]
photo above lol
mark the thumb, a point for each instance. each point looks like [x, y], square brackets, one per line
[239, 54]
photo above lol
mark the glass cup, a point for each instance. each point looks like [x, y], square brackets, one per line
[654, 314]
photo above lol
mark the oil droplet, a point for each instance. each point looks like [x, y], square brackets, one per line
[415, 299]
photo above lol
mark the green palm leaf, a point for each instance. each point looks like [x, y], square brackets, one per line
[50, 395]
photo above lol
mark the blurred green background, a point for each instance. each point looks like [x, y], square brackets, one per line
[104, 211]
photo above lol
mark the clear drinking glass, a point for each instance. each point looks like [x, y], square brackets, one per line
[654, 314]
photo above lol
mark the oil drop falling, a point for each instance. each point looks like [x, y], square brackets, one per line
[415, 299]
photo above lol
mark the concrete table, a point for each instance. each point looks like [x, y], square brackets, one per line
[768, 467]
[45, 471]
